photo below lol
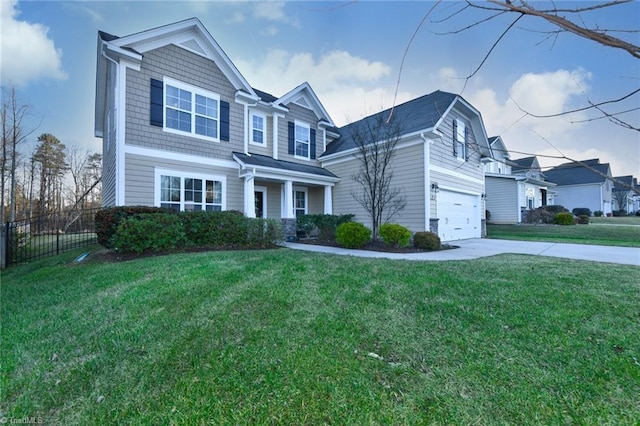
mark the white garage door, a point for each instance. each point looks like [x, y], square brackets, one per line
[459, 216]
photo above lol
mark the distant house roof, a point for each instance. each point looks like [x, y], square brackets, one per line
[629, 181]
[264, 161]
[418, 114]
[575, 173]
[526, 163]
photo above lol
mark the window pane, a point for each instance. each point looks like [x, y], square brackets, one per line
[178, 120]
[302, 149]
[178, 98]
[257, 136]
[206, 127]
[206, 106]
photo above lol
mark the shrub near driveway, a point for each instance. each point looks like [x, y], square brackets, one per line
[282, 337]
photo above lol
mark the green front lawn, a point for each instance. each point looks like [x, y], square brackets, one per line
[614, 233]
[288, 337]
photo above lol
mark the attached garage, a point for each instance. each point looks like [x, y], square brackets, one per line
[459, 215]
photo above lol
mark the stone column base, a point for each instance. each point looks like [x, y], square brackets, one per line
[289, 229]
[433, 225]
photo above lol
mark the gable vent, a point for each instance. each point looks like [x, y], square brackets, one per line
[302, 102]
[193, 45]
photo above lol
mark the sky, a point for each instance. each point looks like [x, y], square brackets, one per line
[359, 57]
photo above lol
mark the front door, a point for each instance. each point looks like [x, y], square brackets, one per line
[259, 201]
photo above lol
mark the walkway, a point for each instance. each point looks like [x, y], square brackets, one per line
[483, 247]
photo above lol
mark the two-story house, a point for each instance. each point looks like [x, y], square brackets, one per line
[514, 187]
[183, 129]
[583, 184]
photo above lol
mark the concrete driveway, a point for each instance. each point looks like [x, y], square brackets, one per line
[483, 247]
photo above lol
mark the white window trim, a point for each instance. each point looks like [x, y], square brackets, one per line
[461, 154]
[306, 198]
[264, 130]
[186, 175]
[308, 127]
[194, 91]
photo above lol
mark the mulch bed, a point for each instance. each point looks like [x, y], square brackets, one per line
[374, 246]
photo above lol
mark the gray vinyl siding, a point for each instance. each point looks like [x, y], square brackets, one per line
[187, 67]
[442, 149]
[297, 112]
[140, 179]
[502, 199]
[316, 200]
[408, 173]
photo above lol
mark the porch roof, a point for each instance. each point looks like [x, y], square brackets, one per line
[286, 167]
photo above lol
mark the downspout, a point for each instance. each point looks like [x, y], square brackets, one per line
[427, 182]
[119, 162]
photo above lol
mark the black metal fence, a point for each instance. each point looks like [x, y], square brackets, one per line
[43, 236]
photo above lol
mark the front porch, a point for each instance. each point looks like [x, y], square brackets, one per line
[284, 190]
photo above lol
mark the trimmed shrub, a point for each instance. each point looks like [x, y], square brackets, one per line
[618, 213]
[353, 235]
[426, 241]
[564, 218]
[107, 220]
[305, 225]
[598, 213]
[216, 229]
[544, 214]
[324, 225]
[150, 232]
[583, 219]
[555, 209]
[581, 211]
[262, 233]
[395, 234]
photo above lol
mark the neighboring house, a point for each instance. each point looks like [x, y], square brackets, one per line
[437, 162]
[624, 197]
[183, 129]
[583, 184]
[513, 187]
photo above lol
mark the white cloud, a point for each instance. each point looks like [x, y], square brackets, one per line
[344, 83]
[270, 10]
[26, 54]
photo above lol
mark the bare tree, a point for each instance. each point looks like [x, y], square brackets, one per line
[562, 20]
[621, 197]
[13, 116]
[375, 139]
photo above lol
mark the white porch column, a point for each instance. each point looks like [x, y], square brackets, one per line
[287, 198]
[249, 196]
[328, 204]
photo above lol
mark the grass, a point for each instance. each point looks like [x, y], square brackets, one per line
[286, 337]
[620, 220]
[604, 231]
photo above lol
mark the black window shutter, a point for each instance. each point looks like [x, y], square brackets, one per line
[466, 143]
[312, 144]
[292, 138]
[455, 138]
[224, 120]
[155, 113]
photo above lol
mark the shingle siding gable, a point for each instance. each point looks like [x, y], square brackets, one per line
[190, 68]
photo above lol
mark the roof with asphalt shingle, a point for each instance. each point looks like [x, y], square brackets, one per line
[418, 114]
[264, 161]
[575, 173]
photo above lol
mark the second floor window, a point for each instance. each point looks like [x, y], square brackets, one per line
[302, 141]
[191, 110]
[257, 129]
